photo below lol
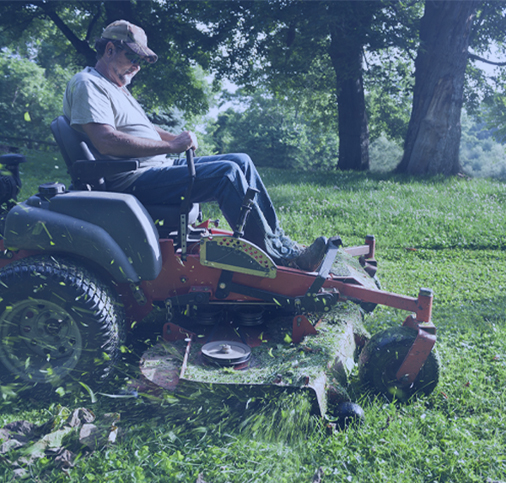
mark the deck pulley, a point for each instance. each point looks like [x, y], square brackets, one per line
[226, 353]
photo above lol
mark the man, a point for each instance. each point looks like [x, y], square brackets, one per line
[98, 103]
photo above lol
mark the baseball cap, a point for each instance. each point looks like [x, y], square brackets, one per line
[134, 37]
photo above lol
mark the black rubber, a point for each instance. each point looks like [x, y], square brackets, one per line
[58, 322]
[383, 355]
[348, 413]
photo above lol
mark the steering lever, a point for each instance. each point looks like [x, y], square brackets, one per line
[247, 203]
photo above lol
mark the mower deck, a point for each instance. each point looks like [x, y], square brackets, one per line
[318, 367]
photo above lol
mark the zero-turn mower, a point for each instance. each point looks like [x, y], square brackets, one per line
[80, 266]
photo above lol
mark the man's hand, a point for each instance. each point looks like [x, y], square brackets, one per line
[183, 142]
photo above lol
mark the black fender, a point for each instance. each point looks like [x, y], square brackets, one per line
[111, 229]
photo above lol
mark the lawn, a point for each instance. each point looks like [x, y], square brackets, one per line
[447, 234]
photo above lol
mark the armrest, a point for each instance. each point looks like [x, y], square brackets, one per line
[85, 170]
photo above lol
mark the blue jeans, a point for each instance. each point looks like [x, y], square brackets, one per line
[223, 178]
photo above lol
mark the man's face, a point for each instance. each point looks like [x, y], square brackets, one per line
[122, 68]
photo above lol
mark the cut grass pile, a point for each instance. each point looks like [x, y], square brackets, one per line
[444, 234]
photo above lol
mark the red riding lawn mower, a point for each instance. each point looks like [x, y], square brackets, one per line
[80, 266]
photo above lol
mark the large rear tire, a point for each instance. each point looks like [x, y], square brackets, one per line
[58, 322]
[383, 355]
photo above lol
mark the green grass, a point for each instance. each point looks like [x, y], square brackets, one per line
[445, 234]
[41, 167]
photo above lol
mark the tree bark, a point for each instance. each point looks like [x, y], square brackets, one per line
[353, 127]
[347, 40]
[433, 138]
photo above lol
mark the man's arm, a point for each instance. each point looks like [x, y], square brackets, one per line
[111, 142]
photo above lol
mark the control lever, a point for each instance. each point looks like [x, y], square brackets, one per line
[247, 202]
[186, 205]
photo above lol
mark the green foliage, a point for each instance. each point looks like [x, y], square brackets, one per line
[29, 101]
[384, 154]
[389, 85]
[275, 133]
[480, 154]
[494, 114]
[485, 85]
[282, 45]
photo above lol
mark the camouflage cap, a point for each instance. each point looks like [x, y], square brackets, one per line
[134, 37]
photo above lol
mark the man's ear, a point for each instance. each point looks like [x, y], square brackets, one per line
[109, 48]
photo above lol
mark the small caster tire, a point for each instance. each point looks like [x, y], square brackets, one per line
[383, 355]
[348, 413]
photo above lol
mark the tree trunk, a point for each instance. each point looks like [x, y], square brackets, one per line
[433, 138]
[347, 40]
[353, 129]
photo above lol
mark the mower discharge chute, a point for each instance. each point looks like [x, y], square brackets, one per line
[78, 267]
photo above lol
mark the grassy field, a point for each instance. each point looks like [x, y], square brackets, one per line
[447, 234]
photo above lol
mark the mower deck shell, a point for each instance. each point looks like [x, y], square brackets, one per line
[320, 365]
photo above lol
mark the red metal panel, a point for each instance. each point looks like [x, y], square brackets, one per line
[416, 357]
[301, 328]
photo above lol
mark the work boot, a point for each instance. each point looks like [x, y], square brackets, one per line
[311, 257]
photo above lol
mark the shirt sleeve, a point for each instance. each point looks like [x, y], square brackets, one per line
[86, 102]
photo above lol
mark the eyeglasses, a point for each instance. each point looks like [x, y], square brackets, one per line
[134, 58]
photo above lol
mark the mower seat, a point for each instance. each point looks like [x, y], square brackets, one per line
[88, 170]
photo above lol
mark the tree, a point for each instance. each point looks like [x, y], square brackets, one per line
[28, 101]
[348, 33]
[389, 86]
[67, 31]
[275, 134]
[308, 49]
[486, 90]
[433, 137]
[307, 53]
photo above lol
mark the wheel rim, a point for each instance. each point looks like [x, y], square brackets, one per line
[40, 341]
[389, 379]
[402, 390]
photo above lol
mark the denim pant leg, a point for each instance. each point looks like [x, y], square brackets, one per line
[262, 199]
[220, 180]
[276, 242]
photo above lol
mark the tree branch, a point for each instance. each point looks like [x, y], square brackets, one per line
[481, 59]
[93, 21]
[81, 46]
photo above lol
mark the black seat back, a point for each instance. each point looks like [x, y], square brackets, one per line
[70, 141]
[88, 168]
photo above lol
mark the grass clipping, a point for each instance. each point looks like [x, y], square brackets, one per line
[284, 386]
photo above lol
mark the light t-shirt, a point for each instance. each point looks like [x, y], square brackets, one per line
[90, 97]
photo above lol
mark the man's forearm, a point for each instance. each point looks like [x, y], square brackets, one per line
[124, 145]
[165, 135]
[111, 142]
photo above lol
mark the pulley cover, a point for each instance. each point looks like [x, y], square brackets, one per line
[226, 353]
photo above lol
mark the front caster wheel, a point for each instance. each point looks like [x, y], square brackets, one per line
[348, 413]
[383, 355]
[58, 322]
